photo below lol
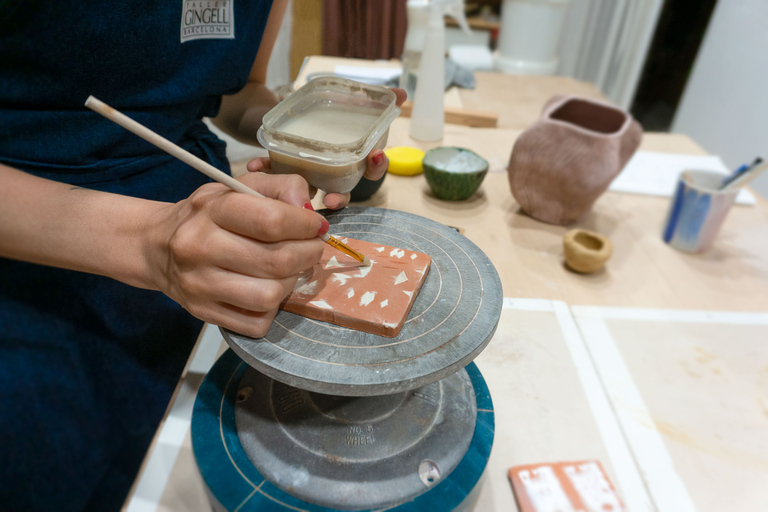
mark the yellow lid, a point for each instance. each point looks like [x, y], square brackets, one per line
[404, 160]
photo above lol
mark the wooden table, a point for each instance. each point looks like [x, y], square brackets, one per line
[643, 272]
[657, 366]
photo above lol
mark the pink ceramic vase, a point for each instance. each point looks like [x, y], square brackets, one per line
[561, 164]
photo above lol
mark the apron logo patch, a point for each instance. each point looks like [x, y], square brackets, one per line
[211, 19]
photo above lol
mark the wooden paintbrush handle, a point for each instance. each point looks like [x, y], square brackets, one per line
[167, 146]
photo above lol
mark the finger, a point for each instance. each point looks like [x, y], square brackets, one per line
[248, 323]
[401, 96]
[377, 165]
[334, 201]
[250, 293]
[265, 260]
[265, 219]
[263, 164]
[288, 188]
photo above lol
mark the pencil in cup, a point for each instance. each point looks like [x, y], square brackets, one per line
[697, 211]
[196, 163]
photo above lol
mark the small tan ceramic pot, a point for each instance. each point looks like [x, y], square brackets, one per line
[586, 251]
[566, 160]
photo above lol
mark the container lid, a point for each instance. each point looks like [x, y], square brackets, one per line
[375, 105]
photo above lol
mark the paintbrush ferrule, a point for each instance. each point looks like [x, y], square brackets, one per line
[336, 244]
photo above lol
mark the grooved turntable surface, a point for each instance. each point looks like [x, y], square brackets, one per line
[452, 319]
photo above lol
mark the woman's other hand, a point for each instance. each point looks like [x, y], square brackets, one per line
[377, 164]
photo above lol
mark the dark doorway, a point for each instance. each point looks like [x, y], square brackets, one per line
[676, 42]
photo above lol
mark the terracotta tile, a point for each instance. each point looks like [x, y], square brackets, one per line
[374, 299]
[560, 486]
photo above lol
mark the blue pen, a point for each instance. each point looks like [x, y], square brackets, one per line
[738, 172]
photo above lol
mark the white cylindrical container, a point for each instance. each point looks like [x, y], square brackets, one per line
[428, 115]
[530, 35]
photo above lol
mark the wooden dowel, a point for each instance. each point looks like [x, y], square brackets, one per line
[196, 163]
[169, 147]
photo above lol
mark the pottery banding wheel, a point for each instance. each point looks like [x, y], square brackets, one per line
[355, 453]
[264, 446]
[451, 321]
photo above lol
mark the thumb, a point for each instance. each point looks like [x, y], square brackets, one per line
[288, 188]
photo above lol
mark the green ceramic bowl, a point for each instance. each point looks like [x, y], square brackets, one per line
[454, 174]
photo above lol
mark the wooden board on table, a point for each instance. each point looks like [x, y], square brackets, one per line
[690, 389]
[463, 116]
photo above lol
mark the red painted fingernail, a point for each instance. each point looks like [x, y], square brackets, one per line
[324, 227]
[308, 206]
[378, 159]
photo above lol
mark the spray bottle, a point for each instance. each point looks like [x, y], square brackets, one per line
[424, 63]
[418, 18]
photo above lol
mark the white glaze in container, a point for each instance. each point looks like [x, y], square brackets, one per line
[325, 130]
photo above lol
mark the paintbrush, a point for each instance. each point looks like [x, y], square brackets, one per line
[745, 177]
[741, 171]
[197, 163]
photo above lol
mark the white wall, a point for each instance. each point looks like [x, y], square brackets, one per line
[725, 104]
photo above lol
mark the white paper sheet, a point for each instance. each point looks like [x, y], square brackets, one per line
[361, 74]
[656, 174]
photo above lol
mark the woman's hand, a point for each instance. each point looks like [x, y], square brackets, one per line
[230, 258]
[377, 164]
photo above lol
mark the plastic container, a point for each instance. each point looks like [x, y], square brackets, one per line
[325, 130]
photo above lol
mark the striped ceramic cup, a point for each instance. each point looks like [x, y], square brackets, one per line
[697, 210]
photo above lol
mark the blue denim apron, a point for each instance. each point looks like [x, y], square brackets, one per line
[88, 364]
